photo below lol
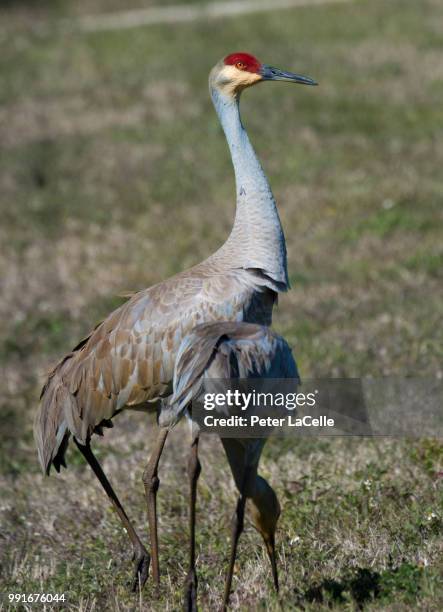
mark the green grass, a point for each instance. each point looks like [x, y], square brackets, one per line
[115, 175]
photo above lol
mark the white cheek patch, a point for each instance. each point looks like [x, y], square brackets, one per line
[231, 79]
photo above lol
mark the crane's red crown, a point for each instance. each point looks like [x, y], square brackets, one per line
[243, 61]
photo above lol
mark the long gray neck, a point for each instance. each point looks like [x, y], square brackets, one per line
[256, 240]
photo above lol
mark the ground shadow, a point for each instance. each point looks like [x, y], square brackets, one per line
[364, 585]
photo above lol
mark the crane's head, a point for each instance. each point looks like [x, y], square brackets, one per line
[240, 70]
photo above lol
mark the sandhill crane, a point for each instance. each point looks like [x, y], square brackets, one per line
[128, 359]
[221, 352]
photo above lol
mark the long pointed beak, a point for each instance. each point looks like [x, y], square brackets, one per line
[270, 547]
[269, 73]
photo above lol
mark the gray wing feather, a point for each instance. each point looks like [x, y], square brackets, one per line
[225, 350]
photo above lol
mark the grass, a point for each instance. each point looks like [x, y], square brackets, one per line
[115, 175]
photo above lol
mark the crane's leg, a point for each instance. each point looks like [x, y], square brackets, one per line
[151, 483]
[236, 531]
[141, 555]
[194, 469]
[265, 511]
[243, 460]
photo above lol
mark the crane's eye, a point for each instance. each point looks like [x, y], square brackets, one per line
[240, 65]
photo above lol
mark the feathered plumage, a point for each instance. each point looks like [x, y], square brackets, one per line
[225, 350]
[128, 360]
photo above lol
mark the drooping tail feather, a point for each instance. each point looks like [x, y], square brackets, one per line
[51, 431]
[63, 411]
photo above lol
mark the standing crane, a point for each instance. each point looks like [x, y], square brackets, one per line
[128, 359]
[224, 352]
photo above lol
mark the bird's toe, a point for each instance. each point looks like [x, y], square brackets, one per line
[191, 592]
[141, 569]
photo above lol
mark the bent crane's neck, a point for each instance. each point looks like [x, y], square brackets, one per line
[256, 240]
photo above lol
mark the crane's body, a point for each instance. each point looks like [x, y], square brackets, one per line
[225, 352]
[128, 360]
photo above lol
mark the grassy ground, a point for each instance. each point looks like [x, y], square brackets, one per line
[114, 175]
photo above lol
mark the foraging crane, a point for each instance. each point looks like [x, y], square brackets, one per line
[222, 352]
[127, 361]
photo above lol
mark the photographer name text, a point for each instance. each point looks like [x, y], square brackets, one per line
[257, 421]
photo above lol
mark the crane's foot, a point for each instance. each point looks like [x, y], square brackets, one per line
[191, 592]
[141, 560]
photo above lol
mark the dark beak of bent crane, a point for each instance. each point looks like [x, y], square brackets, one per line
[269, 73]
